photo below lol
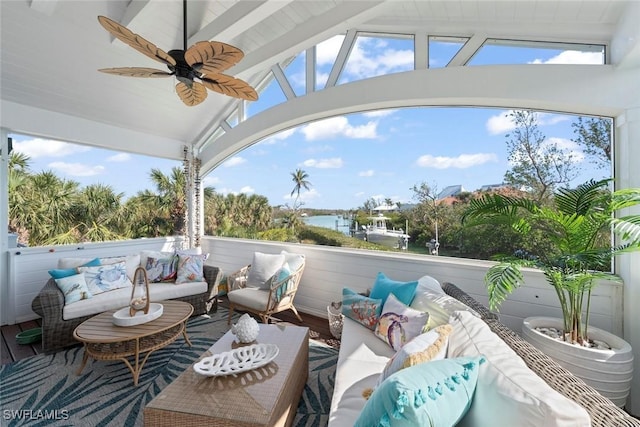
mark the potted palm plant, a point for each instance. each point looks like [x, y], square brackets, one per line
[574, 256]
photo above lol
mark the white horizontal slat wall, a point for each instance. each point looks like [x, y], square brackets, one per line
[329, 269]
[28, 269]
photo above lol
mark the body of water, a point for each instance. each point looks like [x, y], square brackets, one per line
[334, 222]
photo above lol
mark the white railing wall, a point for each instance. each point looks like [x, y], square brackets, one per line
[28, 269]
[329, 269]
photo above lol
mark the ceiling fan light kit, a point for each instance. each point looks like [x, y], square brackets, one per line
[204, 61]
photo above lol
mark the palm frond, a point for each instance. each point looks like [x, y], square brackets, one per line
[582, 199]
[501, 280]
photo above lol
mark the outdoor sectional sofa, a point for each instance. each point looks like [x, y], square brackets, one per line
[59, 321]
[517, 385]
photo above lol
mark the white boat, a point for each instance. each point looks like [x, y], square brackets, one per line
[377, 232]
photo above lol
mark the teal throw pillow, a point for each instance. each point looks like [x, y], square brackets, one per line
[74, 288]
[383, 286]
[363, 310]
[437, 393]
[279, 276]
[60, 273]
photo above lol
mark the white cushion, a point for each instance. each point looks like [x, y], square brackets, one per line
[439, 306]
[251, 297]
[119, 298]
[362, 357]
[294, 260]
[73, 262]
[263, 267]
[508, 393]
[430, 284]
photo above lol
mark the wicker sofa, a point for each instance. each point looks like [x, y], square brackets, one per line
[57, 332]
[602, 411]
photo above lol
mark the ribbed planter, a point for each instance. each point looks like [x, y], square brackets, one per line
[608, 371]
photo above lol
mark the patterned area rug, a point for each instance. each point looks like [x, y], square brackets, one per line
[44, 390]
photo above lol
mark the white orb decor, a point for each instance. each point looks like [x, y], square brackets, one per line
[246, 330]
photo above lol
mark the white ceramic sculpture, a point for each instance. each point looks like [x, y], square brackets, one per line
[246, 330]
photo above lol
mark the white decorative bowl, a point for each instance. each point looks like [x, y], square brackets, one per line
[122, 318]
[237, 360]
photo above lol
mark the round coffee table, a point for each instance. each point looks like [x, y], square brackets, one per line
[105, 341]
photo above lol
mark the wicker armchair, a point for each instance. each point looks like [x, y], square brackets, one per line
[277, 295]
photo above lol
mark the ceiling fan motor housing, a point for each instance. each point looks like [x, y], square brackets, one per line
[183, 71]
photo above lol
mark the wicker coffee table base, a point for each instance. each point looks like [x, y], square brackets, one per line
[123, 349]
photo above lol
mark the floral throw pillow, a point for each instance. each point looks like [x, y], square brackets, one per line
[399, 324]
[162, 269]
[190, 268]
[74, 288]
[106, 278]
[363, 310]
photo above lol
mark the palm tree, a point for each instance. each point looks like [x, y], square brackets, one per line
[575, 251]
[168, 201]
[300, 179]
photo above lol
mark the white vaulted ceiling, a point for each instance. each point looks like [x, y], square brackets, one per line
[51, 50]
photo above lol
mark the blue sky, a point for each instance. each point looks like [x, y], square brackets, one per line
[349, 159]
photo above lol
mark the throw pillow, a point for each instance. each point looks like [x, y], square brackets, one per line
[437, 393]
[363, 310]
[65, 263]
[263, 266]
[162, 269]
[154, 254]
[74, 288]
[295, 261]
[60, 273]
[439, 306]
[190, 268]
[398, 323]
[509, 393]
[383, 286]
[429, 283]
[280, 275]
[426, 347]
[192, 251]
[105, 277]
[132, 262]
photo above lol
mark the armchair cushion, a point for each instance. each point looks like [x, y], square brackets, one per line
[253, 298]
[263, 267]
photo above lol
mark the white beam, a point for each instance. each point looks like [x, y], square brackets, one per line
[421, 50]
[282, 80]
[341, 59]
[4, 221]
[239, 18]
[467, 51]
[310, 69]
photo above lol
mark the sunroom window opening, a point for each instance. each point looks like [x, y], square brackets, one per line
[442, 49]
[66, 193]
[502, 51]
[271, 94]
[378, 54]
[326, 54]
[295, 72]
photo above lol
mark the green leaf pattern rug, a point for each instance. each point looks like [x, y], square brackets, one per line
[45, 390]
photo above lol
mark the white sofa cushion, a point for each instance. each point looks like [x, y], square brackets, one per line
[508, 393]
[361, 360]
[438, 304]
[119, 298]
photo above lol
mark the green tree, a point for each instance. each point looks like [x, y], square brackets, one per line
[168, 202]
[538, 164]
[593, 134]
[292, 218]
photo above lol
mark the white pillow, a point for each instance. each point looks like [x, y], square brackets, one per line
[144, 255]
[439, 306]
[508, 393]
[294, 260]
[263, 267]
[430, 284]
[132, 262]
[106, 278]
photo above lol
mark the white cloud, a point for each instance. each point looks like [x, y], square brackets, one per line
[247, 189]
[568, 147]
[280, 136]
[234, 161]
[366, 173]
[360, 194]
[462, 161]
[38, 147]
[338, 126]
[379, 113]
[370, 57]
[211, 181]
[572, 57]
[77, 169]
[327, 51]
[503, 122]
[332, 163]
[120, 157]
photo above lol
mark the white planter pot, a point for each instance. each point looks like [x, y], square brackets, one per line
[608, 371]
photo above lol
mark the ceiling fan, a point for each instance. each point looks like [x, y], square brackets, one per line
[197, 68]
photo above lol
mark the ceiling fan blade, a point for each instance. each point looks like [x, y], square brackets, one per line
[135, 41]
[136, 72]
[193, 95]
[230, 86]
[212, 57]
